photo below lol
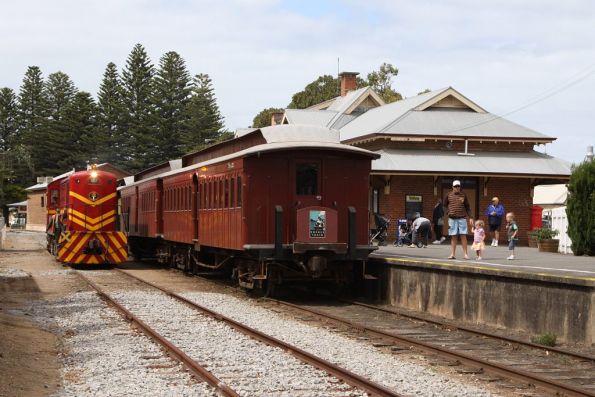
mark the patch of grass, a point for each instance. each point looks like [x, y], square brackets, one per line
[546, 339]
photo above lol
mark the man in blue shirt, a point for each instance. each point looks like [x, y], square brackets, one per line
[495, 213]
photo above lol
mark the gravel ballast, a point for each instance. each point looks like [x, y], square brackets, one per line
[104, 356]
[248, 366]
[356, 355]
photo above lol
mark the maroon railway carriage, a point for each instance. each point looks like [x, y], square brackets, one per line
[278, 203]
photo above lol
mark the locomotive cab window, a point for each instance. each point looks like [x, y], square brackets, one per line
[306, 179]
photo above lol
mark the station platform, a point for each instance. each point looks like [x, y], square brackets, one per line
[529, 262]
[535, 293]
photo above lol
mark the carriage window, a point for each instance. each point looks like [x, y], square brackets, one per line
[232, 192]
[226, 204]
[306, 179]
[239, 191]
[220, 193]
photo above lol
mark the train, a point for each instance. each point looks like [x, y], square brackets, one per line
[273, 205]
[82, 218]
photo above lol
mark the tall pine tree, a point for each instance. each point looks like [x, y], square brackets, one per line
[32, 112]
[79, 123]
[8, 119]
[139, 122]
[110, 116]
[205, 123]
[171, 96]
[55, 146]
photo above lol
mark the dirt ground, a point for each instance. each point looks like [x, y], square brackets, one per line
[29, 364]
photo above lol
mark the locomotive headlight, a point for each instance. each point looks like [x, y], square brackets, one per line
[93, 174]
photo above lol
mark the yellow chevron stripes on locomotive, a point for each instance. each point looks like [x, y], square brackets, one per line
[71, 241]
[118, 254]
[92, 203]
[51, 212]
[65, 254]
[89, 227]
[90, 220]
[113, 245]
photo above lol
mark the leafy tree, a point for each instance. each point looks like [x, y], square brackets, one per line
[8, 118]
[32, 111]
[322, 89]
[139, 123]
[171, 96]
[110, 115]
[263, 119]
[381, 82]
[205, 123]
[580, 208]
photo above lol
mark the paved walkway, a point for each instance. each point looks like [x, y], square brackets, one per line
[529, 260]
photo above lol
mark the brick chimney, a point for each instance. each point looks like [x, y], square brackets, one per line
[348, 82]
[276, 118]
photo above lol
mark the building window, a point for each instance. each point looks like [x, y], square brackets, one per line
[42, 201]
[306, 179]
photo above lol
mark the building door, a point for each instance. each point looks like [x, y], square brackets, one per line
[470, 188]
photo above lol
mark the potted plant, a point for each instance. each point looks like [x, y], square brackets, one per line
[546, 241]
[532, 235]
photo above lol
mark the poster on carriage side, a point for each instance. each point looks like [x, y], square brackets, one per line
[317, 223]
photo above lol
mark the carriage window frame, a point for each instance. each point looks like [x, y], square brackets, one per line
[239, 191]
[232, 192]
[307, 185]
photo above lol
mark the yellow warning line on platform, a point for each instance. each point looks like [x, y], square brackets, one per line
[473, 265]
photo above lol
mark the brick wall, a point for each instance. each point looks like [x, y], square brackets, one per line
[514, 194]
[36, 214]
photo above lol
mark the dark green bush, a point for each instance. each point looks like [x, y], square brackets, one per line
[580, 208]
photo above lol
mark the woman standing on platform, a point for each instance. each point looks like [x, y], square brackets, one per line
[495, 213]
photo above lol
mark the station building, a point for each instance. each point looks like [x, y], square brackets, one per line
[427, 141]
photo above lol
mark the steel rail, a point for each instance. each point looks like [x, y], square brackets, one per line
[467, 359]
[197, 369]
[343, 374]
[450, 325]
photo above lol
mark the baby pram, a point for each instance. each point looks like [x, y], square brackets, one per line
[405, 237]
[381, 231]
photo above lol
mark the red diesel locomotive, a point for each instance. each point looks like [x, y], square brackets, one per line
[278, 203]
[81, 220]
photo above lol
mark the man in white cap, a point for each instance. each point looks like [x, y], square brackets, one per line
[457, 209]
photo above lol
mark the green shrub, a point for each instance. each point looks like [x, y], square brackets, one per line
[545, 233]
[546, 339]
[580, 208]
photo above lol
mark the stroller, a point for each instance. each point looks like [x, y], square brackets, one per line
[405, 236]
[381, 231]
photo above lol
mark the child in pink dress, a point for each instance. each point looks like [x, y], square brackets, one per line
[478, 236]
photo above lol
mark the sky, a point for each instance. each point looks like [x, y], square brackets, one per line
[503, 54]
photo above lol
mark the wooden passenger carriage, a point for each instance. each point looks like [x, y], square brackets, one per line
[247, 205]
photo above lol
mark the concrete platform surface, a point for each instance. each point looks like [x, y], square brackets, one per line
[529, 262]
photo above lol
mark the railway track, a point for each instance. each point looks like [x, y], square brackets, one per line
[151, 319]
[554, 370]
[550, 369]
